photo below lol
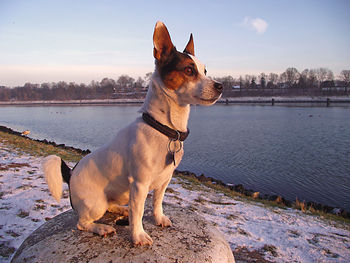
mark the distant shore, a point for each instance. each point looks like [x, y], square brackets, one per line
[233, 100]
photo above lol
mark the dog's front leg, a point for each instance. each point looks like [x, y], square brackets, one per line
[158, 195]
[138, 195]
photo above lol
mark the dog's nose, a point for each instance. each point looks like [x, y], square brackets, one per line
[218, 86]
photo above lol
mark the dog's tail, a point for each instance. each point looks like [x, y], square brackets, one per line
[55, 171]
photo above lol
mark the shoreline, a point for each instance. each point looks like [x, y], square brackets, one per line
[212, 182]
[61, 146]
[274, 199]
[326, 100]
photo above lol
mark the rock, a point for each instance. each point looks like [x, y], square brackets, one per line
[256, 195]
[202, 178]
[239, 188]
[190, 239]
[279, 200]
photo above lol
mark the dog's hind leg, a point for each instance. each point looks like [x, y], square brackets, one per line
[158, 195]
[118, 209]
[91, 210]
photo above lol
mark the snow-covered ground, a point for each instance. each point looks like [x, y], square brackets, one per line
[282, 235]
[25, 202]
[285, 235]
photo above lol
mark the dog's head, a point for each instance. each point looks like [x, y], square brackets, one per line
[181, 72]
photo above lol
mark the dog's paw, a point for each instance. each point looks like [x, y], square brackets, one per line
[104, 230]
[100, 229]
[163, 221]
[141, 239]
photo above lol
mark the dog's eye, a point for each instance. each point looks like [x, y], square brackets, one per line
[205, 71]
[189, 71]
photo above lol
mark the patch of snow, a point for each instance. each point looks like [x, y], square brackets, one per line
[293, 235]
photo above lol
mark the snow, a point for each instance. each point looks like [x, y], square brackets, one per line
[296, 237]
[283, 235]
[25, 202]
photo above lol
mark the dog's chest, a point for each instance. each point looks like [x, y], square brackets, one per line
[159, 178]
[173, 158]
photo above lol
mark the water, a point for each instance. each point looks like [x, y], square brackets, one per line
[299, 152]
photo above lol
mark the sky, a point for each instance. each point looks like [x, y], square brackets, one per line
[83, 40]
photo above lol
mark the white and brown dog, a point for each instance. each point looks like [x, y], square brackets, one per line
[143, 156]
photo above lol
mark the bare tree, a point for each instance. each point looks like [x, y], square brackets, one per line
[345, 76]
[330, 75]
[292, 76]
[312, 77]
[263, 78]
[321, 75]
[253, 82]
[139, 84]
[283, 77]
[125, 83]
[227, 82]
[309, 76]
[240, 80]
[248, 80]
[148, 77]
[273, 78]
[108, 86]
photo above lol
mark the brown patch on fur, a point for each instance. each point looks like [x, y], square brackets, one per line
[163, 45]
[173, 80]
[172, 71]
[190, 46]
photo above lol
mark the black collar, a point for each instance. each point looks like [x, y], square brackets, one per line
[171, 133]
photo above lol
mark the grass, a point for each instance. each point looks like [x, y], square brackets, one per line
[194, 184]
[327, 216]
[26, 145]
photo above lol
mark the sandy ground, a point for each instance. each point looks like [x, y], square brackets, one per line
[254, 231]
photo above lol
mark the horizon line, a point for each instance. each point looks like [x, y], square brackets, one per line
[19, 75]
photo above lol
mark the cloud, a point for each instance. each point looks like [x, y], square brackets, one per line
[257, 24]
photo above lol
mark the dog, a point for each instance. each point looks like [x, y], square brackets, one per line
[143, 156]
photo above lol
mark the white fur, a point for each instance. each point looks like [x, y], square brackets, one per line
[53, 176]
[136, 162]
[200, 66]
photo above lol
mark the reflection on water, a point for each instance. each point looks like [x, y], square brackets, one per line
[299, 152]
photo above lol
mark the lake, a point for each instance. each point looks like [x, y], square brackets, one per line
[298, 151]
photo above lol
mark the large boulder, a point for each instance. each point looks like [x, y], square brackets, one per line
[190, 239]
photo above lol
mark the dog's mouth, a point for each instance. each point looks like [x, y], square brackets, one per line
[208, 101]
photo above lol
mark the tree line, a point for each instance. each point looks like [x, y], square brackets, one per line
[320, 81]
[291, 82]
[105, 89]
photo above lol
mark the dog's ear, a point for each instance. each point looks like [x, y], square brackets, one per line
[162, 42]
[190, 46]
